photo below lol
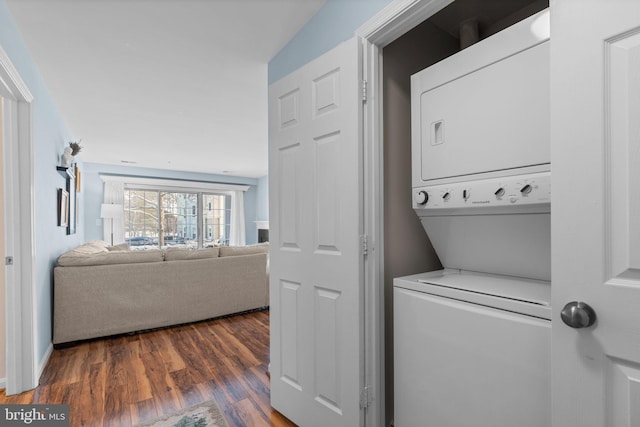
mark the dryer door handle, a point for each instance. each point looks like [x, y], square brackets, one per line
[578, 314]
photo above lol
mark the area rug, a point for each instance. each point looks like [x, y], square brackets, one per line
[206, 414]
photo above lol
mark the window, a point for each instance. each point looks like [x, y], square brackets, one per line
[141, 218]
[158, 218]
[216, 219]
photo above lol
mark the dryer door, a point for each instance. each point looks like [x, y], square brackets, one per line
[484, 109]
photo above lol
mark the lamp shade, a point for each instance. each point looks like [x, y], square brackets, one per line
[109, 210]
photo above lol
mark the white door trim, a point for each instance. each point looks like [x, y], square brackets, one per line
[396, 19]
[19, 243]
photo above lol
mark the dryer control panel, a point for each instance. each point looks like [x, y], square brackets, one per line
[506, 192]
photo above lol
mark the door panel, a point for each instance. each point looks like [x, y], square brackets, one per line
[595, 98]
[290, 333]
[622, 62]
[315, 157]
[327, 185]
[289, 182]
[327, 372]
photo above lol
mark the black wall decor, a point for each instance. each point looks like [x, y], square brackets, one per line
[70, 175]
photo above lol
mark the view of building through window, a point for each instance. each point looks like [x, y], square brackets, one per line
[156, 218]
[216, 219]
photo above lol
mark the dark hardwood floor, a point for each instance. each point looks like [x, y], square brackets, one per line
[127, 380]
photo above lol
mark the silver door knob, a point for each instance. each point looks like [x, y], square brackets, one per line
[578, 315]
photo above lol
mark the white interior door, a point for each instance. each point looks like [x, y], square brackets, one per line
[17, 157]
[595, 140]
[3, 326]
[316, 264]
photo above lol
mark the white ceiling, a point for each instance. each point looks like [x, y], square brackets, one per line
[169, 84]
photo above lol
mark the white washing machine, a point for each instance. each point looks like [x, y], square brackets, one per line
[471, 350]
[472, 341]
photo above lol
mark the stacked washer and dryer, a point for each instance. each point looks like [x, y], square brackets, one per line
[472, 341]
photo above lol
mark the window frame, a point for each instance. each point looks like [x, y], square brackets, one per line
[180, 186]
[200, 196]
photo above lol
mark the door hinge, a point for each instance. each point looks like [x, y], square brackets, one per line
[8, 260]
[366, 397]
[365, 244]
[364, 91]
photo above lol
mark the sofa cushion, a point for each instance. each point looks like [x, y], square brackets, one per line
[260, 248]
[178, 254]
[120, 247]
[82, 251]
[114, 257]
[93, 246]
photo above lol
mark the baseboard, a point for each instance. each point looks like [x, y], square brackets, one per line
[41, 366]
[43, 362]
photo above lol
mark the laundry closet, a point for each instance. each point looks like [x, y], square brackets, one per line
[408, 249]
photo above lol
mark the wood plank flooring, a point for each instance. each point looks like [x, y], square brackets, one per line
[127, 380]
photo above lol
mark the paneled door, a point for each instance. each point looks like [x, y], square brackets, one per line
[3, 316]
[316, 267]
[595, 143]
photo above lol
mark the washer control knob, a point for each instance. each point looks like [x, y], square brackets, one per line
[465, 194]
[422, 197]
[446, 196]
[499, 192]
[526, 189]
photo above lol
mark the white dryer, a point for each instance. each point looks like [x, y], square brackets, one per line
[472, 341]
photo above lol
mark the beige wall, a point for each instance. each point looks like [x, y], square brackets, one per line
[407, 249]
[3, 362]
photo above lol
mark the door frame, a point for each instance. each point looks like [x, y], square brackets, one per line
[392, 22]
[17, 146]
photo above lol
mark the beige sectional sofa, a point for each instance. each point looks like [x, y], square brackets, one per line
[101, 291]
